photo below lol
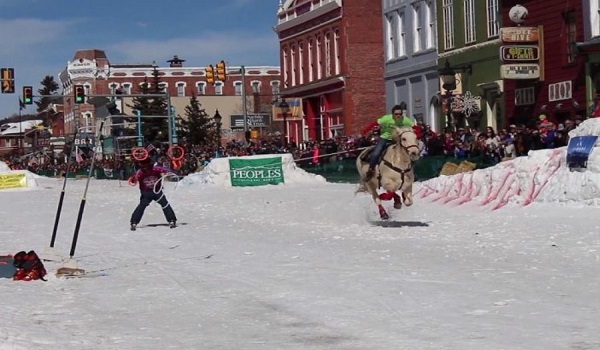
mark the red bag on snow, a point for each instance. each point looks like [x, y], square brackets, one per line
[29, 267]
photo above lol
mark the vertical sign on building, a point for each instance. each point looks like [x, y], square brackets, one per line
[522, 53]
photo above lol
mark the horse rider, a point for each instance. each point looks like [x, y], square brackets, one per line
[386, 124]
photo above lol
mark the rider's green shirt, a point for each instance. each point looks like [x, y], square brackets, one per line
[388, 123]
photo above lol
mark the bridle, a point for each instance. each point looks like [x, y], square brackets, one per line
[402, 172]
[406, 148]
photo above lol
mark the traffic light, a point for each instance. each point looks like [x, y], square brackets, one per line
[8, 80]
[79, 94]
[210, 75]
[221, 71]
[27, 95]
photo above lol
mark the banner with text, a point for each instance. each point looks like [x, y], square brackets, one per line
[579, 150]
[256, 172]
[14, 180]
[295, 112]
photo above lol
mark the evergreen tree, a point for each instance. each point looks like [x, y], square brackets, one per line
[153, 129]
[198, 127]
[49, 87]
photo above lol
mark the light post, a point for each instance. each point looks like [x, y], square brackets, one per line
[217, 117]
[285, 109]
[448, 76]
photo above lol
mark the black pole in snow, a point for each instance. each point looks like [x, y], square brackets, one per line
[83, 199]
[62, 193]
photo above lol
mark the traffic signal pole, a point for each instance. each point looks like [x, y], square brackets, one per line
[244, 103]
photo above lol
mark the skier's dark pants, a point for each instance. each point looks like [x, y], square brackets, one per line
[376, 153]
[145, 199]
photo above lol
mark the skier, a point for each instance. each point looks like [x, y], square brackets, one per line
[150, 179]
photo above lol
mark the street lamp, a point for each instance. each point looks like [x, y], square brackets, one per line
[448, 76]
[217, 117]
[285, 109]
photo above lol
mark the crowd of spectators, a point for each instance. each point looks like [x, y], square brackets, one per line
[465, 142]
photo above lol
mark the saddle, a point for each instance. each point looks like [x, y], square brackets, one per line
[365, 157]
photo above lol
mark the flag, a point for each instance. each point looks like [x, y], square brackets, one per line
[21, 105]
[150, 148]
[79, 155]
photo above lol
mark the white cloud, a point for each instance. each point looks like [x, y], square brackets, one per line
[19, 36]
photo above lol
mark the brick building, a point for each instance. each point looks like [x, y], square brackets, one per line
[93, 70]
[332, 59]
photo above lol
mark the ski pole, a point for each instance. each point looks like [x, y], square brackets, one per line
[62, 193]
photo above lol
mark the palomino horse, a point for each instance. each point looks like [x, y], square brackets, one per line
[394, 172]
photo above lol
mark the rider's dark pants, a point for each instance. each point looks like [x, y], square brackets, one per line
[145, 199]
[376, 154]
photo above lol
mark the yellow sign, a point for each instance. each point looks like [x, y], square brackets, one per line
[12, 180]
[520, 53]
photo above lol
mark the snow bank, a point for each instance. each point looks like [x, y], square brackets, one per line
[542, 176]
[217, 172]
[7, 182]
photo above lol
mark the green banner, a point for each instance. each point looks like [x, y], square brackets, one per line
[255, 172]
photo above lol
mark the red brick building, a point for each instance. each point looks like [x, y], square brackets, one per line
[332, 59]
[93, 70]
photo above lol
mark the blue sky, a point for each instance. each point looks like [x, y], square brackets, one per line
[38, 37]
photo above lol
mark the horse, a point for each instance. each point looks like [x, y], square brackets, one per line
[394, 171]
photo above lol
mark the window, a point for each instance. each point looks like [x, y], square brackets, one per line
[336, 49]
[492, 18]
[391, 50]
[430, 23]
[237, 86]
[395, 32]
[418, 28]
[275, 87]
[219, 88]
[293, 64]
[470, 33]
[401, 33]
[448, 16]
[255, 86]
[201, 87]
[286, 66]
[113, 88]
[126, 88]
[328, 54]
[318, 59]
[301, 62]
[571, 27]
[595, 14]
[180, 89]
[311, 60]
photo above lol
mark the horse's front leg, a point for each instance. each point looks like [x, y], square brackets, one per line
[377, 199]
[397, 201]
[407, 195]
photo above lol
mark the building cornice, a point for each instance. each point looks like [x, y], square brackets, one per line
[468, 49]
[288, 23]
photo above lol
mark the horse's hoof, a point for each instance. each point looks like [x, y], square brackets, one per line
[384, 216]
[398, 205]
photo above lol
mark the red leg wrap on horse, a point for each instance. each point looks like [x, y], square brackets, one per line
[386, 196]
